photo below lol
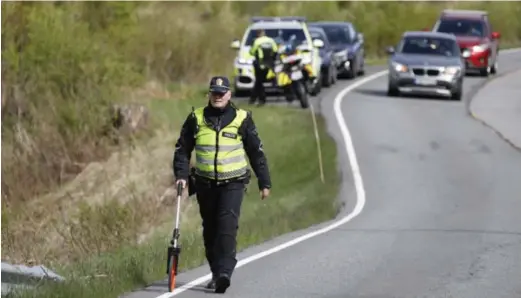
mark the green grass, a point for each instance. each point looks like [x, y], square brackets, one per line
[298, 199]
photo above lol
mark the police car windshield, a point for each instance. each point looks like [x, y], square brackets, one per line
[462, 27]
[429, 46]
[284, 34]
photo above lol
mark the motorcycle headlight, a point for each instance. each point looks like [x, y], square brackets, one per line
[400, 67]
[480, 48]
[451, 70]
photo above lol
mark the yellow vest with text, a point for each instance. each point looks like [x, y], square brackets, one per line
[261, 43]
[220, 155]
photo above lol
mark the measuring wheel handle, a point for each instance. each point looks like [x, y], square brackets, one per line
[174, 249]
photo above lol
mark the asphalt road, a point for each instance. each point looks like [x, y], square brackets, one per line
[441, 216]
[501, 113]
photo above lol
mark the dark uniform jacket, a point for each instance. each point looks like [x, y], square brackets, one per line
[252, 143]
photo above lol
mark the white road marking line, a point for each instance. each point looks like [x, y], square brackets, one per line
[360, 192]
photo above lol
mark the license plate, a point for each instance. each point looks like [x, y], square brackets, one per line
[425, 81]
[296, 75]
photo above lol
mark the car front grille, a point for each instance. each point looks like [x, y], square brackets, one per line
[433, 72]
[423, 71]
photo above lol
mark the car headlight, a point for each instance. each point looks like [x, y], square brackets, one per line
[480, 48]
[306, 59]
[400, 67]
[342, 55]
[452, 70]
[243, 61]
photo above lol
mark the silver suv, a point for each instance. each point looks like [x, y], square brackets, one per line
[427, 63]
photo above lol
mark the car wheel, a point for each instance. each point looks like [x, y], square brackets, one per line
[332, 75]
[361, 72]
[392, 90]
[318, 87]
[494, 68]
[326, 78]
[456, 95]
[351, 74]
[484, 72]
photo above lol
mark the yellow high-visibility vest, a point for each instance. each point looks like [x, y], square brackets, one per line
[220, 155]
[259, 44]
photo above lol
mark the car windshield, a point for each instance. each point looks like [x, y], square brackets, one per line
[462, 27]
[429, 46]
[284, 34]
[337, 35]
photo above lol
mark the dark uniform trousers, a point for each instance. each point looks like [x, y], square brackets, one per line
[260, 78]
[220, 207]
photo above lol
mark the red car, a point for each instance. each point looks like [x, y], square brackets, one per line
[479, 44]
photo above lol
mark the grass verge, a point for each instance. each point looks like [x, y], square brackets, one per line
[299, 199]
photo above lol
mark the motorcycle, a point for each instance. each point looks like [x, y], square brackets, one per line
[289, 76]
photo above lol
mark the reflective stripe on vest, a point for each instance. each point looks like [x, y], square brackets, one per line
[220, 155]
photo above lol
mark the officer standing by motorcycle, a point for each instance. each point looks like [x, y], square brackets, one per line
[264, 51]
[222, 136]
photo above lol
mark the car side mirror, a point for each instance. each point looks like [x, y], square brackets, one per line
[236, 44]
[390, 50]
[318, 43]
[496, 35]
[465, 54]
[360, 37]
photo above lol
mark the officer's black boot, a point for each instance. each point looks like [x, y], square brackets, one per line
[262, 97]
[211, 283]
[222, 283]
[288, 93]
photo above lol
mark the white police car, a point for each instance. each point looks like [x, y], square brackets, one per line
[275, 27]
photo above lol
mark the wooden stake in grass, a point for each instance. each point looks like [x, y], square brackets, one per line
[317, 138]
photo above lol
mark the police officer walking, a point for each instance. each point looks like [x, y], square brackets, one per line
[222, 136]
[264, 49]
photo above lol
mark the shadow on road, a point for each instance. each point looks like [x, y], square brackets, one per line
[371, 92]
[383, 93]
[162, 287]
[473, 75]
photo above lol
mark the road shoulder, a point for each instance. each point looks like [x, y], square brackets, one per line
[501, 111]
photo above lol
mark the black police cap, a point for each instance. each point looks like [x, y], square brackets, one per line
[219, 84]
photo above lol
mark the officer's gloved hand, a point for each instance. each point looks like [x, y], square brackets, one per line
[182, 182]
